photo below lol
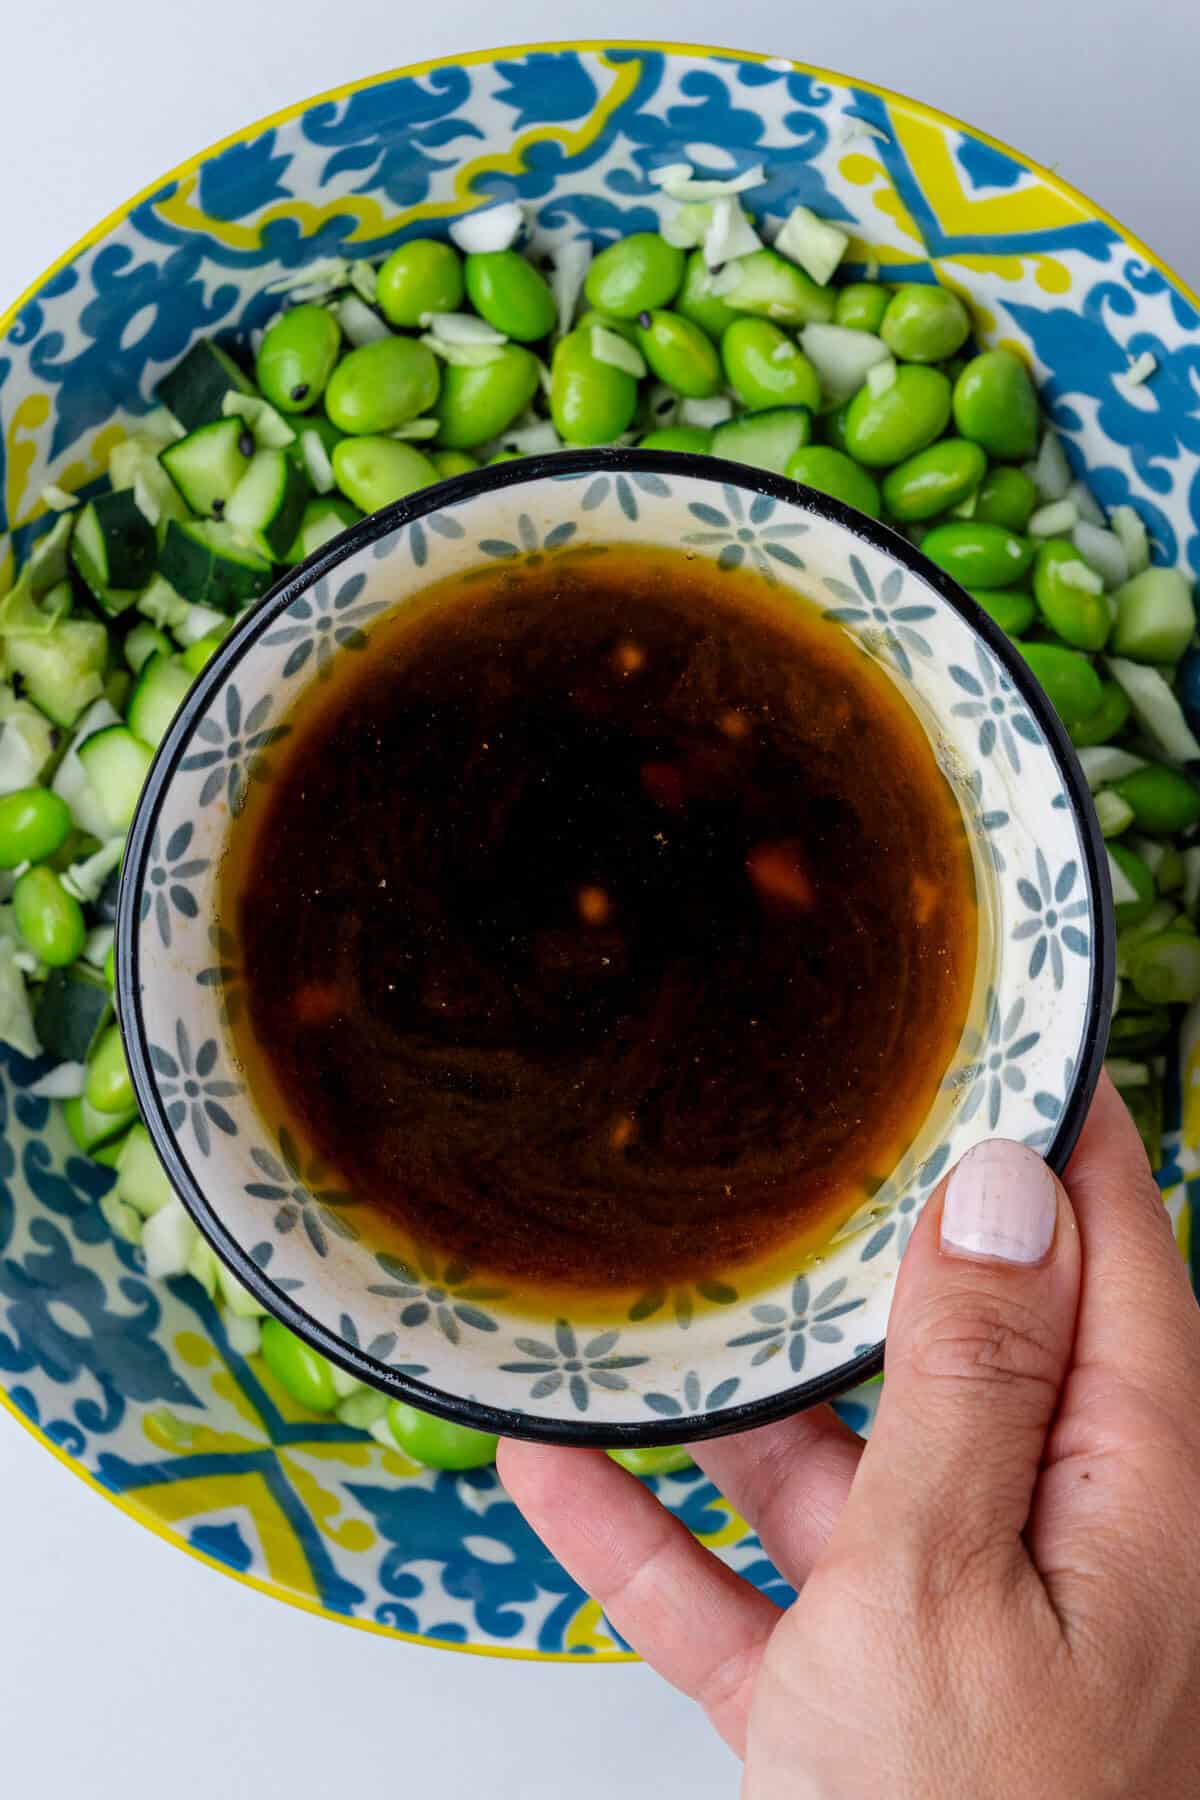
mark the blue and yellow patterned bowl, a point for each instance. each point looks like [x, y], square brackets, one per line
[136, 1386]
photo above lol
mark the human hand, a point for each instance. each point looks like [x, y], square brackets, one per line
[999, 1596]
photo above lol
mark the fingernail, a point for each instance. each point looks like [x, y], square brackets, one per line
[1001, 1203]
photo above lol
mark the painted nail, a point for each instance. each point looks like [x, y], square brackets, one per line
[1001, 1204]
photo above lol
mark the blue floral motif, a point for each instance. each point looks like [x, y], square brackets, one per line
[190, 1089]
[544, 87]
[811, 1317]
[746, 533]
[995, 1058]
[985, 824]
[226, 974]
[597, 491]
[869, 612]
[1052, 926]
[1050, 1106]
[444, 524]
[321, 621]
[388, 133]
[582, 1367]
[235, 755]
[531, 545]
[300, 1193]
[444, 1291]
[681, 1299]
[168, 871]
[913, 1182]
[694, 1397]
[244, 178]
[995, 702]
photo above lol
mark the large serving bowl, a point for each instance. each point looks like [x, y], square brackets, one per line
[135, 1385]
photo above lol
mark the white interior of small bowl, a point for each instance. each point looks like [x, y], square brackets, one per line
[700, 1348]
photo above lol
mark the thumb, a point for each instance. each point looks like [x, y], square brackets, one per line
[978, 1346]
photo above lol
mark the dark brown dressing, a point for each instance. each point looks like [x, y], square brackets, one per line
[606, 923]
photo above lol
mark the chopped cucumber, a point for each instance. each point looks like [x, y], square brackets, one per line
[113, 548]
[47, 564]
[72, 1009]
[269, 503]
[765, 440]
[143, 642]
[90, 1129]
[207, 465]
[324, 519]
[195, 388]
[134, 464]
[156, 699]
[203, 561]
[1156, 617]
[63, 670]
[141, 1179]
[116, 764]
[26, 743]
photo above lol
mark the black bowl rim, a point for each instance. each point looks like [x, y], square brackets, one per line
[496, 478]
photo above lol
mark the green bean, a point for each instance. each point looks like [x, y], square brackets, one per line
[453, 462]
[439, 1443]
[422, 276]
[1005, 496]
[477, 404]
[770, 288]
[106, 1084]
[893, 423]
[697, 302]
[299, 1369]
[374, 471]
[297, 357]
[1012, 608]
[832, 472]
[861, 306]
[933, 480]
[680, 354]
[590, 401]
[984, 556]
[33, 824]
[1072, 685]
[1162, 799]
[690, 438]
[48, 918]
[995, 405]
[513, 296]
[1165, 970]
[1111, 716]
[1130, 913]
[653, 1459]
[637, 274]
[1080, 617]
[925, 324]
[766, 368]
[382, 385]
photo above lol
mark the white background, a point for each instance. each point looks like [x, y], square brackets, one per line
[127, 1669]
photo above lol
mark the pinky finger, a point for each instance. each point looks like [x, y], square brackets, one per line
[692, 1619]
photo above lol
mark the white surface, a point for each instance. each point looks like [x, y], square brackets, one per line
[253, 1698]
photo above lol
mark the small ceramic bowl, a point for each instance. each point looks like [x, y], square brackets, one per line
[700, 1359]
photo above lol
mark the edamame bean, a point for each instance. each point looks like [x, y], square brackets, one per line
[770, 288]
[925, 324]
[654, 1459]
[832, 472]
[765, 367]
[861, 306]
[297, 357]
[1078, 616]
[832, 426]
[298, 1368]
[697, 302]
[984, 556]
[513, 296]
[478, 404]
[681, 355]
[626, 328]
[106, 1083]
[48, 918]
[1006, 496]
[382, 385]
[636, 274]
[1012, 608]
[895, 422]
[422, 276]
[439, 1443]
[453, 462]
[374, 471]
[1111, 716]
[1163, 800]
[933, 480]
[995, 405]
[1165, 970]
[110, 965]
[503, 456]
[590, 401]
[197, 654]
[33, 824]
[690, 438]
[1072, 685]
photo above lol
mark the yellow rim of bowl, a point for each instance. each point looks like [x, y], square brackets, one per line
[474, 59]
